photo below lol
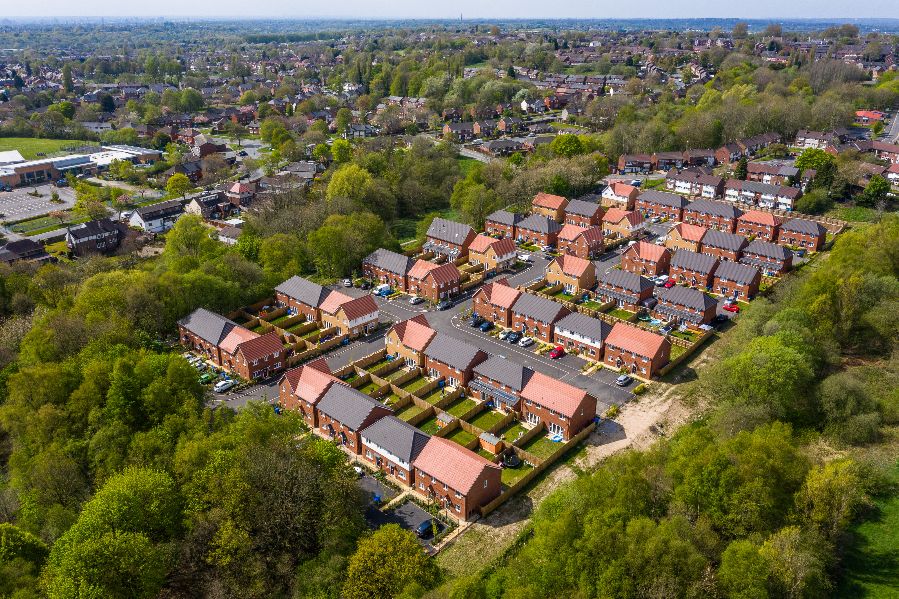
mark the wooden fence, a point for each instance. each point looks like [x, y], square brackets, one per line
[689, 351]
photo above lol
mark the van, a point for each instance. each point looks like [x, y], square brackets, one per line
[382, 290]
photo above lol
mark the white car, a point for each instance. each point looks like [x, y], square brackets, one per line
[222, 386]
[348, 282]
[524, 257]
[525, 342]
[415, 300]
[660, 280]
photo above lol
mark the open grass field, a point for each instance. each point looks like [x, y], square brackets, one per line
[30, 147]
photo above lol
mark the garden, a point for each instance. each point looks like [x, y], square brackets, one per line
[487, 419]
[541, 446]
[408, 412]
[460, 407]
[461, 436]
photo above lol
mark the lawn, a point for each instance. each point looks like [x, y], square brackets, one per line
[510, 476]
[460, 407]
[619, 313]
[378, 364]
[429, 426]
[352, 376]
[541, 447]
[370, 387]
[280, 320]
[391, 399]
[396, 374]
[461, 436]
[409, 412]
[260, 328]
[512, 431]
[30, 147]
[685, 335]
[293, 329]
[853, 214]
[486, 454]
[42, 224]
[434, 396]
[676, 350]
[486, 419]
[415, 384]
[592, 305]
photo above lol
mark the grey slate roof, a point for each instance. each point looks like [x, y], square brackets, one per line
[701, 263]
[452, 352]
[304, 291]
[800, 225]
[94, 227]
[687, 297]
[540, 224]
[767, 249]
[736, 272]
[347, 406]
[207, 325]
[449, 231]
[723, 240]
[582, 208]
[714, 208]
[663, 198]
[504, 217]
[762, 188]
[160, 210]
[538, 308]
[582, 324]
[396, 436]
[507, 372]
[626, 280]
[389, 261]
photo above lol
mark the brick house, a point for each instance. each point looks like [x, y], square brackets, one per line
[502, 223]
[580, 333]
[455, 478]
[760, 225]
[580, 242]
[685, 237]
[301, 296]
[692, 268]
[646, 259]
[634, 163]
[802, 233]
[665, 161]
[452, 359]
[549, 205]
[392, 446]
[573, 273]
[536, 316]
[448, 238]
[628, 290]
[387, 267]
[699, 157]
[654, 203]
[501, 381]
[684, 305]
[772, 173]
[301, 388]
[728, 153]
[770, 258]
[100, 236]
[617, 223]
[351, 316]
[494, 302]
[712, 215]
[619, 195]
[724, 246]
[564, 409]
[459, 131]
[695, 183]
[493, 254]
[539, 230]
[583, 214]
[738, 281]
[432, 281]
[761, 194]
[636, 350]
[343, 413]
[408, 339]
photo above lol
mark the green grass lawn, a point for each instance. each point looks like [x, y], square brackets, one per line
[466, 164]
[30, 147]
[369, 388]
[592, 305]
[541, 447]
[414, 385]
[677, 350]
[619, 313]
[294, 328]
[391, 399]
[512, 431]
[280, 320]
[409, 412]
[434, 396]
[429, 426]
[487, 419]
[352, 377]
[259, 328]
[461, 436]
[510, 476]
[685, 335]
[486, 454]
[396, 374]
[378, 364]
[42, 224]
[460, 407]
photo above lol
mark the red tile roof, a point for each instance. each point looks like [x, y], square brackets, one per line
[622, 189]
[635, 339]
[500, 293]
[572, 232]
[481, 243]
[761, 218]
[333, 301]
[415, 333]
[452, 464]
[616, 215]
[235, 337]
[548, 200]
[687, 232]
[310, 381]
[358, 307]
[261, 347]
[572, 265]
[647, 251]
[553, 394]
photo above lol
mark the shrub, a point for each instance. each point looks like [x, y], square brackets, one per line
[612, 412]
[640, 389]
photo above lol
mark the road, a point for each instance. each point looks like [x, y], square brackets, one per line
[891, 133]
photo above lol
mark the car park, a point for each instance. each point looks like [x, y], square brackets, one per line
[415, 300]
[556, 352]
[476, 321]
[526, 342]
[426, 529]
[514, 337]
[222, 386]
[624, 380]
[486, 326]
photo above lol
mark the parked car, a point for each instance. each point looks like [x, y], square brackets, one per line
[222, 386]
[547, 248]
[486, 326]
[242, 153]
[382, 290]
[200, 366]
[624, 380]
[525, 342]
[732, 308]
[365, 285]
[557, 352]
[670, 283]
[348, 282]
[660, 280]
[426, 529]
[514, 337]
[524, 257]
[504, 336]
[729, 301]
[62, 183]
[207, 378]
[445, 305]
[415, 300]
[476, 321]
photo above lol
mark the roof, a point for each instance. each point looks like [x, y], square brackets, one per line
[304, 291]
[452, 464]
[347, 406]
[714, 208]
[389, 261]
[761, 218]
[414, 333]
[634, 339]
[310, 381]
[663, 198]
[333, 301]
[453, 352]
[93, 228]
[736, 272]
[235, 337]
[694, 176]
[261, 346]
[767, 249]
[629, 281]
[538, 308]
[397, 437]
[808, 227]
[763, 188]
[572, 232]
[359, 306]
[687, 260]
[582, 208]
[723, 240]
[689, 232]
[503, 371]
[504, 217]
[548, 200]
[620, 189]
[687, 297]
[208, 326]
[160, 210]
[616, 215]
[449, 231]
[539, 224]
[584, 325]
[572, 265]
[501, 294]
[554, 394]
[442, 273]
[648, 251]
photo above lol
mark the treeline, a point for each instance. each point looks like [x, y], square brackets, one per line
[737, 505]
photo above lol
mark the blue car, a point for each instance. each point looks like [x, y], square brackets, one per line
[486, 326]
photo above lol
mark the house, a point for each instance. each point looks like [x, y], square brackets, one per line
[648, 259]
[692, 268]
[735, 280]
[351, 316]
[392, 446]
[564, 409]
[484, 127]
[635, 163]
[549, 205]
[868, 117]
[493, 254]
[684, 305]
[501, 381]
[24, 250]
[695, 183]
[448, 238]
[538, 230]
[301, 296]
[229, 235]
[502, 223]
[460, 131]
[712, 215]
[581, 333]
[452, 359]
[509, 124]
[699, 157]
[665, 161]
[770, 172]
[456, 478]
[635, 350]
[619, 195]
[661, 204]
[210, 205]
[761, 194]
[685, 237]
[241, 193]
[578, 241]
[880, 149]
[157, 218]
[801, 233]
[501, 147]
[573, 273]
[408, 339]
[723, 245]
[626, 289]
[494, 302]
[433, 282]
[729, 153]
[343, 413]
[100, 236]
[759, 225]
[387, 267]
[617, 223]
[536, 316]
[300, 389]
[770, 258]
[819, 140]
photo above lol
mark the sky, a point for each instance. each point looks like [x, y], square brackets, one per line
[433, 9]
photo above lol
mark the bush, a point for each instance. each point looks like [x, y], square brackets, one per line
[640, 389]
[612, 412]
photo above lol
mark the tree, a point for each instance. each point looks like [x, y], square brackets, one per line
[67, 83]
[342, 150]
[65, 108]
[107, 104]
[740, 30]
[567, 145]
[342, 119]
[744, 572]
[236, 131]
[875, 191]
[741, 170]
[350, 181]
[340, 244]
[178, 185]
[817, 201]
[824, 165]
[831, 497]
[387, 563]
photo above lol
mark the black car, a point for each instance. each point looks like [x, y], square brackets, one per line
[365, 285]
[428, 528]
[513, 337]
[242, 153]
[445, 305]
[476, 321]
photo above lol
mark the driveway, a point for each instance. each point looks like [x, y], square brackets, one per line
[409, 515]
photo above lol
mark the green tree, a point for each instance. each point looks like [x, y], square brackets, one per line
[741, 169]
[67, 83]
[340, 244]
[567, 145]
[824, 165]
[342, 150]
[875, 191]
[350, 181]
[387, 563]
[744, 572]
[342, 119]
[178, 185]
[831, 497]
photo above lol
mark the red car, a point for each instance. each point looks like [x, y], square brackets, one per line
[732, 308]
[670, 283]
[557, 352]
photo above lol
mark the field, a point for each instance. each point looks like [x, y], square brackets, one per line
[30, 147]
[42, 224]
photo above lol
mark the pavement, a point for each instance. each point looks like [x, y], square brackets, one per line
[18, 205]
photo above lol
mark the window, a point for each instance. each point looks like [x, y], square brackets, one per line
[421, 486]
[485, 485]
[401, 474]
[368, 454]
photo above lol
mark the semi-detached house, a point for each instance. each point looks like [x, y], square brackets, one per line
[661, 204]
[452, 359]
[493, 254]
[692, 268]
[387, 267]
[343, 413]
[539, 230]
[694, 183]
[455, 478]
[448, 238]
[723, 245]
[684, 305]
[626, 289]
[581, 333]
[157, 218]
[770, 258]
[433, 282]
[583, 214]
[712, 215]
[407, 340]
[494, 302]
[635, 350]
[737, 281]
[536, 316]
[301, 389]
[801, 233]
[502, 223]
[761, 194]
[392, 446]
[581, 242]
